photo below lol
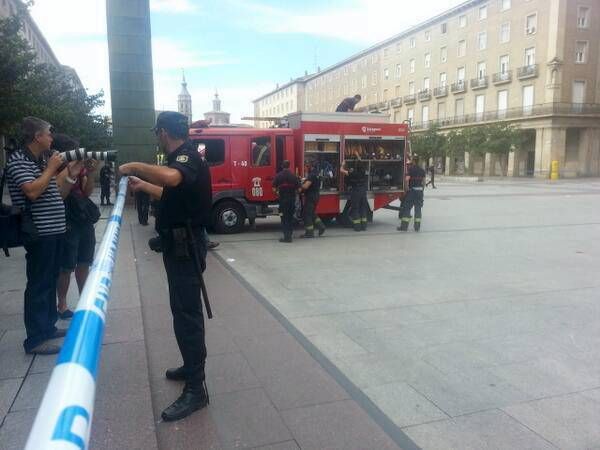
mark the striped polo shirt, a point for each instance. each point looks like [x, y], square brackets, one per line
[48, 210]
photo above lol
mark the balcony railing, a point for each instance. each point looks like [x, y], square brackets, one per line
[527, 72]
[441, 91]
[545, 109]
[458, 87]
[396, 102]
[479, 83]
[382, 106]
[502, 77]
[410, 99]
[424, 95]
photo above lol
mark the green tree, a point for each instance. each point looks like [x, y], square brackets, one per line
[475, 139]
[501, 139]
[430, 144]
[46, 91]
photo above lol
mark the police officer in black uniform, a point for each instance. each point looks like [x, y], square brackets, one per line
[142, 204]
[414, 196]
[311, 188]
[184, 189]
[286, 184]
[357, 180]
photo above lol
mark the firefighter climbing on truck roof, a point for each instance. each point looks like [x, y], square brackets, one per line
[348, 104]
[414, 196]
[356, 180]
[285, 185]
[311, 189]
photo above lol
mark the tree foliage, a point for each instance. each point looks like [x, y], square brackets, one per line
[430, 144]
[46, 91]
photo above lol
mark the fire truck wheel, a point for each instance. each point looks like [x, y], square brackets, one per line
[229, 217]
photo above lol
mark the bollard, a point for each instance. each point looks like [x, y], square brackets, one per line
[64, 419]
[554, 170]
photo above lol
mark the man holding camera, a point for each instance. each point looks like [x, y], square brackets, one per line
[184, 190]
[38, 182]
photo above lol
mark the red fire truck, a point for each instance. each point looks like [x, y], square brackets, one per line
[244, 161]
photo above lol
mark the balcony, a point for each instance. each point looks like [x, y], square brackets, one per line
[372, 107]
[458, 87]
[441, 91]
[525, 72]
[396, 102]
[424, 95]
[479, 83]
[502, 77]
[410, 99]
[383, 106]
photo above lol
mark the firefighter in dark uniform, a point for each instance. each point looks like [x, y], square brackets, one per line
[357, 180]
[414, 196]
[286, 184]
[311, 188]
[184, 189]
[142, 204]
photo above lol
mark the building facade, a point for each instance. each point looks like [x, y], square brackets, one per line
[532, 63]
[216, 116]
[285, 99]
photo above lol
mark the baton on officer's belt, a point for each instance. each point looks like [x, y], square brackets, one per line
[196, 258]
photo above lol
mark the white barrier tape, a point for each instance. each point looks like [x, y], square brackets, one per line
[65, 416]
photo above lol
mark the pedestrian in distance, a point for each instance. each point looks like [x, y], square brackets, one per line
[286, 185]
[311, 189]
[184, 189]
[431, 181]
[142, 204]
[414, 197]
[348, 104]
[105, 180]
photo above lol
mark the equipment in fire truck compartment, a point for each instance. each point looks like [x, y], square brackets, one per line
[382, 159]
[326, 157]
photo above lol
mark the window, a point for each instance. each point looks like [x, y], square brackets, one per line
[385, 52]
[427, 36]
[443, 54]
[374, 78]
[462, 48]
[426, 83]
[481, 69]
[531, 24]
[479, 106]
[504, 61]
[505, 5]
[444, 28]
[413, 42]
[482, 40]
[412, 66]
[460, 74]
[581, 49]
[427, 60]
[462, 21]
[375, 97]
[398, 47]
[410, 114]
[443, 79]
[214, 150]
[483, 12]
[441, 110]
[578, 92]
[583, 17]
[505, 32]
[363, 82]
[397, 91]
[374, 58]
[459, 107]
[527, 99]
[411, 87]
[502, 103]
[386, 73]
[425, 114]
[385, 95]
[530, 56]
[261, 151]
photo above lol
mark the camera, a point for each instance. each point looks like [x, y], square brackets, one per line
[155, 244]
[80, 154]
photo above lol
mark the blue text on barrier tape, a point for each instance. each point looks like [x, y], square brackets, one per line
[82, 348]
[115, 218]
[63, 430]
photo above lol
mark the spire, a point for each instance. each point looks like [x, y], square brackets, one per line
[184, 90]
[184, 99]
[216, 102]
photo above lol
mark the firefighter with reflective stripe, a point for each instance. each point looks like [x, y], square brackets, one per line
[311, 189]
[414, 196]
[357, 180]
[286, 184]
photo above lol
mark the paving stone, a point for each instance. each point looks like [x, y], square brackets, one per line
[247, 419]
[11, 300]
[14, 363]
[568, 421]
[219, 339]
[287, 372]
[253, 324]
[15, 429]
[339, 425]
[11, 322]
[336, 344]
[229, 372]
[123, 325]
[486, 430]
[8, 392]
[403, 405]
[288, 445]
[43, 363]
[31, 393]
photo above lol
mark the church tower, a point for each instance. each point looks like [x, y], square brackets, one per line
[184, 101]
[217, 116]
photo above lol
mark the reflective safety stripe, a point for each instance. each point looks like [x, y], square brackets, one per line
[364, 219]
[309, 227]
[317, 220]
[356, 221]
[406, 219]
[418, 219]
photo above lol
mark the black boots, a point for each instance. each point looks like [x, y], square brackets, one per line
[193, 398]
[177, 374]
[285, 240]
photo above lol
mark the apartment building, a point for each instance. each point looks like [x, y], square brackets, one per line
[533, 63]
[283, 100]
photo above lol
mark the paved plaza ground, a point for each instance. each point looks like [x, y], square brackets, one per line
[480, 332]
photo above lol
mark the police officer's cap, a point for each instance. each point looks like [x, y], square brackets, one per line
[174, 123]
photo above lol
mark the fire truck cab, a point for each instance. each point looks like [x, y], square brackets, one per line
[244, 161]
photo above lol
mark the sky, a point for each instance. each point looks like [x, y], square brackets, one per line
[241, 48]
